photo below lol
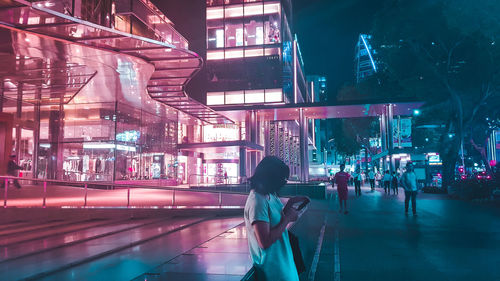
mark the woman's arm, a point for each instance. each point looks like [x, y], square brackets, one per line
[267, 235]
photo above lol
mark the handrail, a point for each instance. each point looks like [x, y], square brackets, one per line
[212, 176]
[5, 179]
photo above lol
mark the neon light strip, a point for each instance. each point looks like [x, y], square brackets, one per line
[369, 53]
[295, 90]
[312, 91]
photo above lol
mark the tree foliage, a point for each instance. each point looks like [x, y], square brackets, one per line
[439, 52]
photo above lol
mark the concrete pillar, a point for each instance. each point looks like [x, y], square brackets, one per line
[243, 164]
[383, 132]
[36, 134]
[304, 163]
[390, 133]
[19, 111]
[251, 132]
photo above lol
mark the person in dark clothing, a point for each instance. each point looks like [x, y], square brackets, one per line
[394, 184]
[12, 169]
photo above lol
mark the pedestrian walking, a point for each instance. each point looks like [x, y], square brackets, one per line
[371, 178]
[342, 178]
[387, 182]
[378, 178]
[409, 183]
[394, 183]
[357, 182]
[266, 222]
[12, 169]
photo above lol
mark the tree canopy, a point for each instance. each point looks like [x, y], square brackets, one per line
[446, 53]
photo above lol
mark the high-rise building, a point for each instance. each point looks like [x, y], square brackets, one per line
[365, 64]
[318, 149]
[252, 55]
[251, 59]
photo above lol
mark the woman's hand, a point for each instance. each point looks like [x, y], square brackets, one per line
[294, 200]
[291, 214]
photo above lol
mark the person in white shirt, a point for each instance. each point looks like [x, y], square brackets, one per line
[371, 178]
[409, 183]
[387, 182]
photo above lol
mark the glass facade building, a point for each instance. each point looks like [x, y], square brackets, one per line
[96, 92]
[251, 53]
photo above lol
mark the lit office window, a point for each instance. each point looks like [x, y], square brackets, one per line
[274, 95]
[234, 33]
[215, 98]
[235, 97]
[254, 52]
[233, 11]
[234, 53]
[229, 2]
[254, 96]
[214, 2]
[215, 34]
[215, 13]
[254, 9]
[272, 8]
[254, 32]
[272, 29]
[215, 55]
[219, 35]
[272, 51]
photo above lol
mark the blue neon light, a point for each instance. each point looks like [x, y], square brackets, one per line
[369, 53]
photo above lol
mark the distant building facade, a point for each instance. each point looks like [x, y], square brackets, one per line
[364, 60]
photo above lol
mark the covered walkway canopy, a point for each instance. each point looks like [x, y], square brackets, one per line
[321, 110]
[174, 65]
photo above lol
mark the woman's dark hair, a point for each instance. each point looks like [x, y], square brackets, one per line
[269, 176]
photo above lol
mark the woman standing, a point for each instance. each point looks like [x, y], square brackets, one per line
[266, 220]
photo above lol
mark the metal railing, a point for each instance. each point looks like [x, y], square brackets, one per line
[214, 179]
[164, 197]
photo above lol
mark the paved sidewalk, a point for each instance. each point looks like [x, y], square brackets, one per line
[448, 240]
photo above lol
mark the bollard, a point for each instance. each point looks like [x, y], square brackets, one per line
[128, 197]
[220, 199]
[5, 193]
[44, 193]
[85, 200]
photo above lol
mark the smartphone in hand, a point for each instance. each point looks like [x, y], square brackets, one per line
[303, 204]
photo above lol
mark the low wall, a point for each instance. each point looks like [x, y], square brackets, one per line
[312, 190]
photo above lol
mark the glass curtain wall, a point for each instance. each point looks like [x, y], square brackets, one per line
[92, 142]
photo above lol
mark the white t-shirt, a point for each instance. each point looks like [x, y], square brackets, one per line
[409, 181]
[371, 175]
[276, 262]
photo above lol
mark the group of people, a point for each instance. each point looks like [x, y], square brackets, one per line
[408, 181]
[388, 181]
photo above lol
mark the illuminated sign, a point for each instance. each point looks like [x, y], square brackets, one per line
[128, 136]
[434, 159]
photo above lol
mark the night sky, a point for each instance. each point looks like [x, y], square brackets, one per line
[328, 32]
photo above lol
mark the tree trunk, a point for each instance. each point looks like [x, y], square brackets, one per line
[449, 155]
